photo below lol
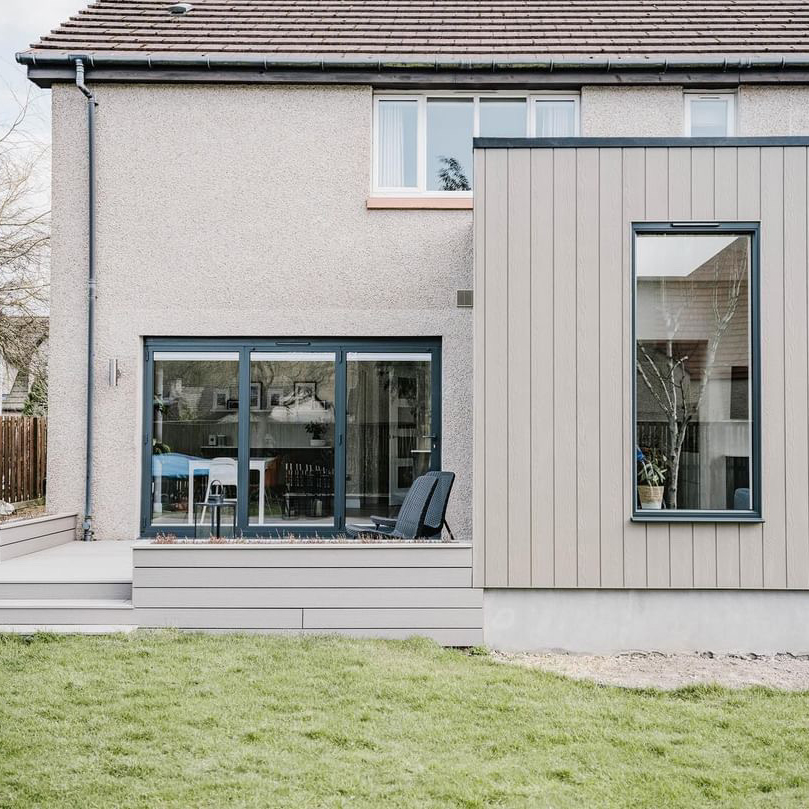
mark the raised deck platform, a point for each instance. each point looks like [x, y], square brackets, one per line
[392, 590]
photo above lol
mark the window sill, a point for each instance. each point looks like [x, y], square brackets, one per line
[420, 203]
[695, 516]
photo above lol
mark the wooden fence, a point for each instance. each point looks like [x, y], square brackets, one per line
[23, 450]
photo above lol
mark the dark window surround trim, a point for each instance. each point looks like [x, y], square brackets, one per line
[751, 229]
[636, 143]
[244, 346]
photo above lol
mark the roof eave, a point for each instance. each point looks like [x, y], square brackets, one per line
[48, 66]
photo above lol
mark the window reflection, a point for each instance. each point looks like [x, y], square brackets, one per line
[693, 360]
[194, 431]
[449, 144]
[291, 438]
[389, 440]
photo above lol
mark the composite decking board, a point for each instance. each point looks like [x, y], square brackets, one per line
[32, 545]
[196, 617]
[682, 182]
[444, 636]
[302, 577]
[14, 532]
[354, 597]
[388, 618]
[65, 590]
[163, 556]
[51, 614]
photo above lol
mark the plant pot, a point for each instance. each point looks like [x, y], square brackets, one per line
[317, 442]
[651, 497]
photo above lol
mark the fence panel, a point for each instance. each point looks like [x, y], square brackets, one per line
[23, 453]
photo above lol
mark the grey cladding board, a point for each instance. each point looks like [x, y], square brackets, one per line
[566, 360]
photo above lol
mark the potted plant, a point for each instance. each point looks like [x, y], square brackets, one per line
[651, 477]
[316, 429]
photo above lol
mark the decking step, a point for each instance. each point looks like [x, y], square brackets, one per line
[53, 590]
[65, 611]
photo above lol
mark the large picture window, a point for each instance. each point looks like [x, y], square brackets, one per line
[296, 435]
[696, 407]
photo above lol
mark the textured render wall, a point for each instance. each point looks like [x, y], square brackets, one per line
[632, 112]
[773, 111]
[660, 111]
[235, 210]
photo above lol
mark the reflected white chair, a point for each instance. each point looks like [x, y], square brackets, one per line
[225, 470]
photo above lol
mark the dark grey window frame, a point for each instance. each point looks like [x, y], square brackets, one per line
[340, 347]
[751, 229]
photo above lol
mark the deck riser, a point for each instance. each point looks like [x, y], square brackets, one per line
[50, 590]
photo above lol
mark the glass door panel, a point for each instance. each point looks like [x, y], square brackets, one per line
[195, 428]
[292, 431]
[389, 430]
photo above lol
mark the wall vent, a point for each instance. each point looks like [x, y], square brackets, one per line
[464, 298]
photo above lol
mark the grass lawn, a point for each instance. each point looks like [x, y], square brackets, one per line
[165, 719]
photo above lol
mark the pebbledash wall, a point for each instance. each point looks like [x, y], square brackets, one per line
[234, 211]
[562, 562]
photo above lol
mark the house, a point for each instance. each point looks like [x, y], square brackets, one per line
[29, 337]
[561, 251]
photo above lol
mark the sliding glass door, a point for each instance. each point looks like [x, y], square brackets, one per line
[389, 434]
[292, 438]
[301, 435]
[194, 436]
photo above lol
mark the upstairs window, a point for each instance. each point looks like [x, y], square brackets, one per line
[423, 142]
[710, 115]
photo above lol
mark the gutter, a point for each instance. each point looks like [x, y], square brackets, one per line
[415, 62]
[87, 523]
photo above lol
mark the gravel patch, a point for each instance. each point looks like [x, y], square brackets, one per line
[669, 671]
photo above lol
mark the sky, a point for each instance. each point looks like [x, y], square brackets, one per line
[21, 23]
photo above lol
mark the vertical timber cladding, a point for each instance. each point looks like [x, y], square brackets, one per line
[553, 376]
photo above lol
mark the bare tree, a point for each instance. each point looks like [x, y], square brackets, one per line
[664, 369]
[24, 243]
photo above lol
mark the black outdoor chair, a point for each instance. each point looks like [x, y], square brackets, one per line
[410, 522]
[436, 517]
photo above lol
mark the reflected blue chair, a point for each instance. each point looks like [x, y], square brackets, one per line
[741, 500]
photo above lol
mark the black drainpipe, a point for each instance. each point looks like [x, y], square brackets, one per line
[87, 524]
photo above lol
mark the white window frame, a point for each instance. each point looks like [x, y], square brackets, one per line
[689, 96]
[421, 139]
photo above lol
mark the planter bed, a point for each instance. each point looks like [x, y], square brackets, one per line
[357, 587]
[20, 537]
